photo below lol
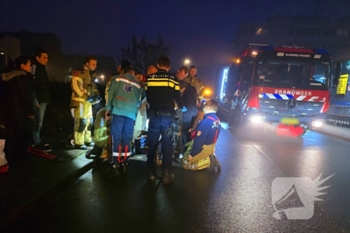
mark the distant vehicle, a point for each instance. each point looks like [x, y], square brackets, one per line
[277, 85]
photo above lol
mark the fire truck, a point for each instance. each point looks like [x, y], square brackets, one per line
[277, 85]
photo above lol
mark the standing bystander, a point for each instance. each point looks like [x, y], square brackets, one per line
[189, 98]
[43, 95]
[20, 104]
[194, 81]
[182, 73]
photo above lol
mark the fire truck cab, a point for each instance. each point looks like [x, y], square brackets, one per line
[279, 85]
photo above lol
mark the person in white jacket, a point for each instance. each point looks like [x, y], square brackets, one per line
[141, 119]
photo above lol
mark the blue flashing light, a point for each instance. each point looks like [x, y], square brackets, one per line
[321, 51]
[224, 83]
[262, 47]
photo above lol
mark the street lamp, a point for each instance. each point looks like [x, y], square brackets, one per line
[187, 61]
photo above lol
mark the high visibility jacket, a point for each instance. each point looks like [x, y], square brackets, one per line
[124, 96]
[83, 86]
[100, 128]
[162, 90]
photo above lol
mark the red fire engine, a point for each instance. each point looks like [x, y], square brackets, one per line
[285, 87]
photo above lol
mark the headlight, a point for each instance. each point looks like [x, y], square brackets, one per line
[317, 123]
[256, 119]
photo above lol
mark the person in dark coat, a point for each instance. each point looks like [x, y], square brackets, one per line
[20, 104]
[43, 95]
[189, 99]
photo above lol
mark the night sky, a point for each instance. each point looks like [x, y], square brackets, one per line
[199, 30]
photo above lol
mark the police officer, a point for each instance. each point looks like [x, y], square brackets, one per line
[84, 95]
[162, 90]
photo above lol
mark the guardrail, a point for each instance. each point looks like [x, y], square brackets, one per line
[339, 115]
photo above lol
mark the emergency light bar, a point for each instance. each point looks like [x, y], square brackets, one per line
[293, 50]
[254, 49]
[321, 51]
[253, 44]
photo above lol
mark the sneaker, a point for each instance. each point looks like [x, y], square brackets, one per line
[45, 143]
[167, 177]
[89, 154]
[80, 147]
[42, 148]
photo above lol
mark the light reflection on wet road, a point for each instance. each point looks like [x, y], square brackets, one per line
[237, 200]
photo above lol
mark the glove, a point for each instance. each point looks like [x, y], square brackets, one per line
[90, 99]
[184, 109]
[96, 100]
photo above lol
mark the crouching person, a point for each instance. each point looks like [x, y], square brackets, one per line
[101, 135]
[205, 137]
[124, 97]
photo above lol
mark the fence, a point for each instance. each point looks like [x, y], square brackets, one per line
[339, 114]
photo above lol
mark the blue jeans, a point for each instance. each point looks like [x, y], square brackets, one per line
[122, 129]
[156, 127]
[40, 119]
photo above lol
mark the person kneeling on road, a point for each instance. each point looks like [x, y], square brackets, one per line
[124, 96]
[205, 137]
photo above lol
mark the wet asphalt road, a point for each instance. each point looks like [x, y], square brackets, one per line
[239, 199]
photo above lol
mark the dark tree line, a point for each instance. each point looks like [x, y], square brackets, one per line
[142, 53]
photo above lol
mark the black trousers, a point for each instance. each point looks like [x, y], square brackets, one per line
[185, 135]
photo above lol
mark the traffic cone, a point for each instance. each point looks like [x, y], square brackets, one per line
[4, 166]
